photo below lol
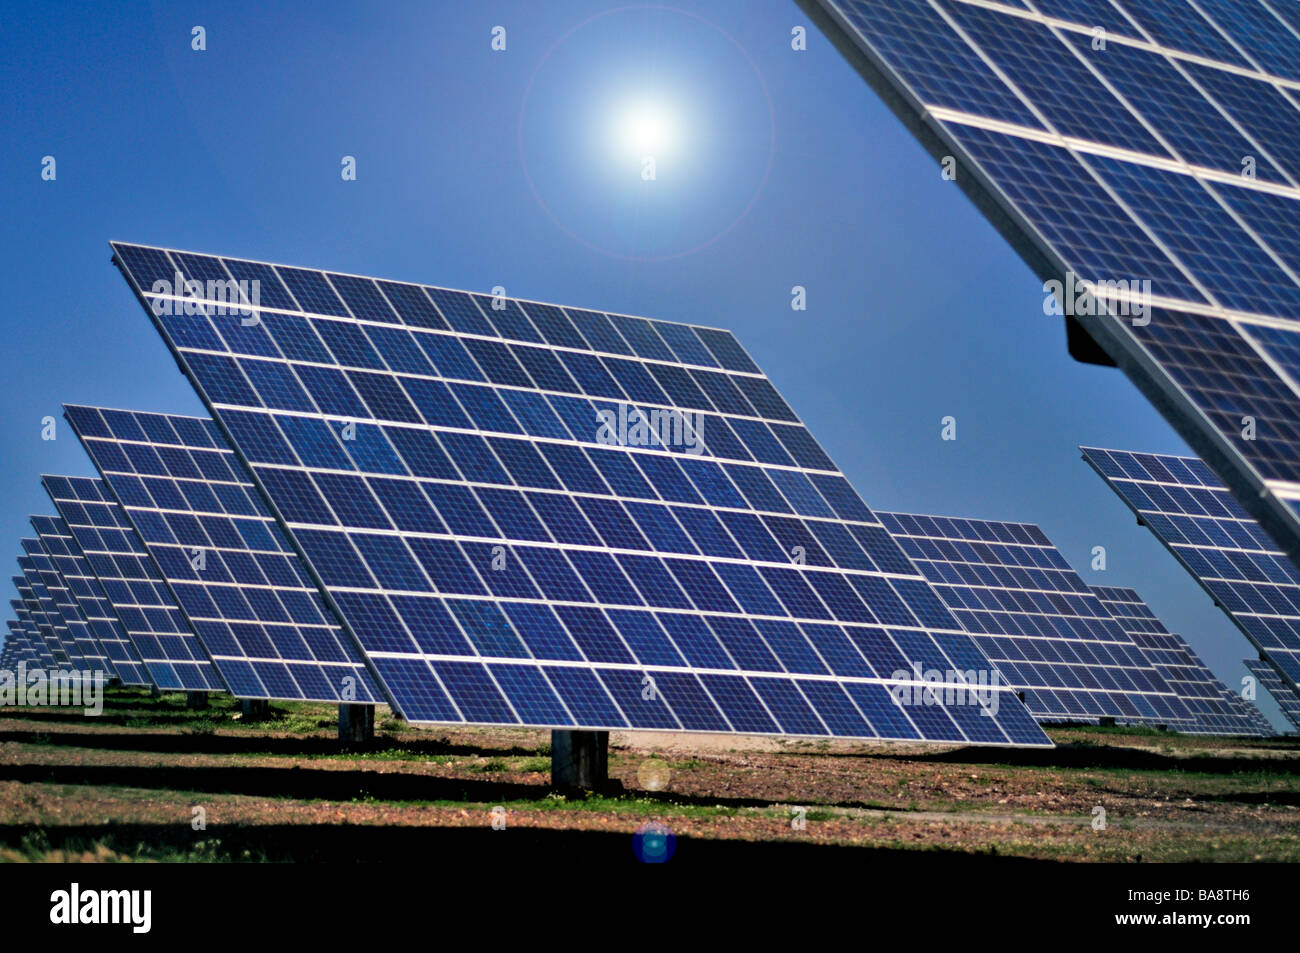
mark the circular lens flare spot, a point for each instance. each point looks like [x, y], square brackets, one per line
[654, 843]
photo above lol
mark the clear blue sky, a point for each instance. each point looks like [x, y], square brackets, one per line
[521, 168]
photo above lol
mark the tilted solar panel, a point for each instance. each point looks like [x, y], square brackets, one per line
[17, 648]
[19, 641]
[1286, 698]
[1183, 503]
[529, 514]
[172, 656]
[1121, 143]
[36, 571]
[225, 559]
[54, 552]
[1263, 726]
[1036, 619]
[35, 640]
[85, 588]
[1183, 670]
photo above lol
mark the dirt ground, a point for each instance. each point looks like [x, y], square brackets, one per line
[132, 784]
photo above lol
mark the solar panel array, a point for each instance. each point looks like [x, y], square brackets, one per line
[53, 552]
[1183, 503]
[225, 560]
[528, 514]
[1126, 141]
[62, 553]
[35, 640]
[86, 590]
[172, 656]
[18, 647]
[1201, 692]
[1263, 727]
[1286, 698]
[1036, 619]
[43, 607]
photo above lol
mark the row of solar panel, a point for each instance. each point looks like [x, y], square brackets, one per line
[384, 612]
[1200, 522]
[1287, 700]
[713, 646]
[456, 629]
[690, 714]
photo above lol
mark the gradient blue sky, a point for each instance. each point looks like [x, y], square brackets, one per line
[478, 168]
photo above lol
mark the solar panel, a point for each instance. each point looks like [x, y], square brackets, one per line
[1182, 669]
[172, 656]
[56, 555]
[1263, 727]
[529, 514]
[38, 571]
[18, 643]
[1036, 619]
[84, 587]
[35, 639]
[1286, 698]
[17, 649]
[225, 559]
[1116, 143]
[1183, 503]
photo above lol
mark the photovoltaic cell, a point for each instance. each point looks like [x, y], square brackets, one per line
[56, 553]
[1286, 698]
[528, 514]
[172, 656]
[1036, 620]
[17, 648]
[1183, 503]
[1126, 142]
[35, 639]
[85, 589]
[41, 579]
[1182, 669]
[223, 556]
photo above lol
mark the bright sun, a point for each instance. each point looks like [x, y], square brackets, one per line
[646, 129]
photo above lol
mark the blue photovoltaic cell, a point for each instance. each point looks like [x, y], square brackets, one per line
[224, 558]
[18, 648]
[54, 541]
[1198, 688]
[172, 656]
[1035, 619]
[35, 639]
[1135, 97]
[1263, 727]
[43, 581]
[562, 509]
[1183, 503]
[1286, 698]
[32, 616]
[85, 588]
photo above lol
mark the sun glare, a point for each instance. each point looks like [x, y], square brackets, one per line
[646, 129]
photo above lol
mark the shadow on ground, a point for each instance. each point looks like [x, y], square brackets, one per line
[452, 849]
